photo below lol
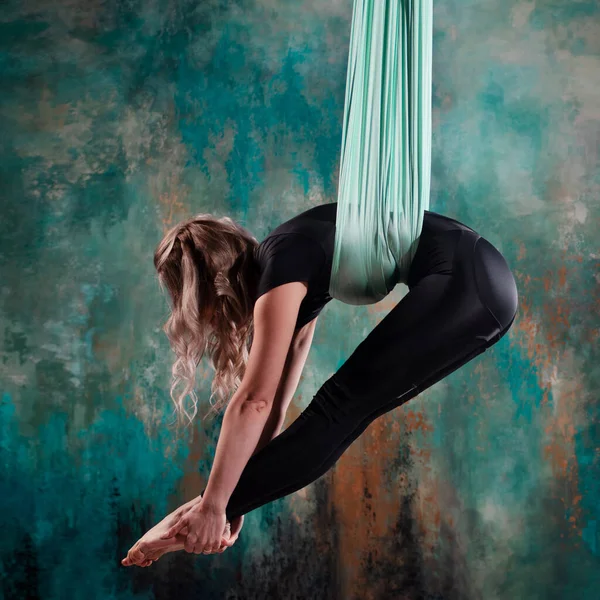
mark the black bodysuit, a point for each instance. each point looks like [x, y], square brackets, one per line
[462, 299]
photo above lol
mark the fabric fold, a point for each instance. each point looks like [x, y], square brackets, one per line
[385, 164]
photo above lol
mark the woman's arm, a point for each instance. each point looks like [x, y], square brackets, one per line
[288, 383]
[246, 416]
[256, 412]
[290, 378]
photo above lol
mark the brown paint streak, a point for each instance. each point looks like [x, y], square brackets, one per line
[427, 506]
[363, 503]
[192, 482]
[547, 357]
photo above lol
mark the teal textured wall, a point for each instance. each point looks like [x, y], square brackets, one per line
[120, 118]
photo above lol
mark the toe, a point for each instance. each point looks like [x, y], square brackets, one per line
[137, 556]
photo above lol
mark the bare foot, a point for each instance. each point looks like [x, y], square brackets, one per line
[151, 556]
[151, 547]
[151, 541]
[154, 552]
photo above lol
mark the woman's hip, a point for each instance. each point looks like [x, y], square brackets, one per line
[447, 247]
[496, 284]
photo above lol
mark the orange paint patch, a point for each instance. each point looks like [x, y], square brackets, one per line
[562, 276]
[175, 210]
[416, 421]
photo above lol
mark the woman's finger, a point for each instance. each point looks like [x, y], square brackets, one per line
[236, 528]
[203, 548]
[172, 531]
[136, 555]
[231, 541]
[190, 542]
[236, 525]
[175, 529]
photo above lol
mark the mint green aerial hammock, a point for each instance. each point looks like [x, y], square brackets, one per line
[385, 163]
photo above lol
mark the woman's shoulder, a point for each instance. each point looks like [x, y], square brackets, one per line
[278, 246]
[312, 222]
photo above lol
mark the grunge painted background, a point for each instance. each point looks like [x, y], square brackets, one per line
[120, 117]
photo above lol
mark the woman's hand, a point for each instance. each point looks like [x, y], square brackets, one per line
[228, 541]
[206, 526]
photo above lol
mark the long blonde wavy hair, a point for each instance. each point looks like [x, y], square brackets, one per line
[207, 265]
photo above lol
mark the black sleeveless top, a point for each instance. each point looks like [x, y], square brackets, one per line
[300, 249]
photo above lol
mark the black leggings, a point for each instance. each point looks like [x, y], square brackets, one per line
[462, 299]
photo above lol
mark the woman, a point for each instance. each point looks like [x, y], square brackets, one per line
[227, 288]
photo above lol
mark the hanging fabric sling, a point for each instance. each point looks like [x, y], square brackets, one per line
[385, 161]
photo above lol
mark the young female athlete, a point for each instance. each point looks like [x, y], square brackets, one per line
[228, 290]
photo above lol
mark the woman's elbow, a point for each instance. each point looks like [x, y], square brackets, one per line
[252, 403]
